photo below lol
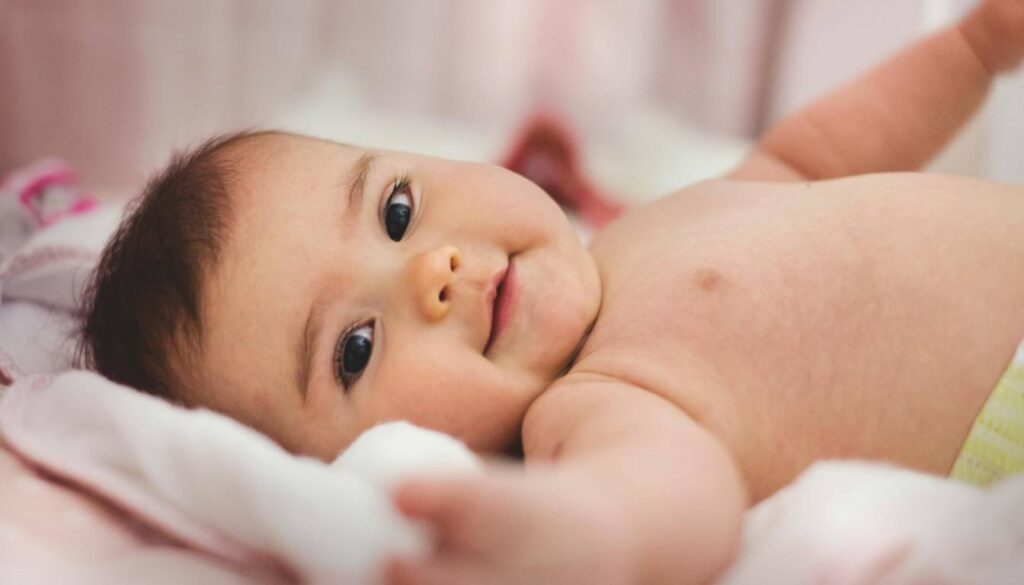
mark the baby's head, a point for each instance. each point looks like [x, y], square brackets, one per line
[312, 289]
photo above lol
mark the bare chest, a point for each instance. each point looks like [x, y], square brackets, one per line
[831, 320]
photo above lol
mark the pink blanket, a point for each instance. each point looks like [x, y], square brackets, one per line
[53, 533]
[221, 497]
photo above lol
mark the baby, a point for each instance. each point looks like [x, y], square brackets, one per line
[702, 352]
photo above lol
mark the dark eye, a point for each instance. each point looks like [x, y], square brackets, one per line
[398, 210]
[352, 354]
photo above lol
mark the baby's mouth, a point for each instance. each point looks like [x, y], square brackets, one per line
[503, 302]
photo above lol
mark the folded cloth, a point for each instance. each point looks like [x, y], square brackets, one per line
[41, 284]
[221, 489]
[38, 195]
[52, 533]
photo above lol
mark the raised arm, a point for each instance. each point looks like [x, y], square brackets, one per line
[900, 114]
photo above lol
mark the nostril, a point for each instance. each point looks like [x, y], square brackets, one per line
[443, 295]
[454, 262]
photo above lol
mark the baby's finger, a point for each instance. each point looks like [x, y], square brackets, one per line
[428, 499]
[431, 498]
[438, 502]
[469, 513]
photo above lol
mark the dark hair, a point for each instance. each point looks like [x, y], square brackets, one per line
[141, 310]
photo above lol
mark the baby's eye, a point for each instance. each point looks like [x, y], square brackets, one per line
[398, 210]
[352, 354]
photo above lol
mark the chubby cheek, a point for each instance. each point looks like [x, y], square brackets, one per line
[559, 296]
[464, 396]
[323, 428]
[535, 220]
[496, 202]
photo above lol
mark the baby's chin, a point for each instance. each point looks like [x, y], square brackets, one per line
[569, 328]
[552, 353]
[507, 441]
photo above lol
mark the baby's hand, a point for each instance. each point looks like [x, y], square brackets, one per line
[515, 527]
[996, 32]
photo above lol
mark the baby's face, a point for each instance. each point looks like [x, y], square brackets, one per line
[362, 286]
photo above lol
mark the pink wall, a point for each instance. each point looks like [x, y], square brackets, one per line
[114, 85]
[111, 85]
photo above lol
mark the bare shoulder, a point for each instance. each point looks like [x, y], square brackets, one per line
[585, 410]
[788, 319]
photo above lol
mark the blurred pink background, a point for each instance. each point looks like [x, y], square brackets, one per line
[676, 88]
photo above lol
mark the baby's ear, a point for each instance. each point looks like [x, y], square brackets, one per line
[391, 452]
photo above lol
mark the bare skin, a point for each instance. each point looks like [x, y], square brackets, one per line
[874, 314]
[746, 327]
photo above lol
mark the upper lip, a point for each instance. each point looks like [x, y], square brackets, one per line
[492, 303]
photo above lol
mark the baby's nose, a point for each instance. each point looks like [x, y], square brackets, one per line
[432, 274]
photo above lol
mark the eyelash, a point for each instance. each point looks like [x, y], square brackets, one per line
[400, 184]
[338, 358]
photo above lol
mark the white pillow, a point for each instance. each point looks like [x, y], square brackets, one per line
[41, 285]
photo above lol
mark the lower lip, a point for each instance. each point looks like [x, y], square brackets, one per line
[506, 302]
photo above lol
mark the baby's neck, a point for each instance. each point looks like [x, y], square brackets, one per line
[575, 353]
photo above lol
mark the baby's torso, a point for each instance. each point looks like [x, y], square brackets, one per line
[864, 317]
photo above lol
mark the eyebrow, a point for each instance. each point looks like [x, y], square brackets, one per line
[356, 181]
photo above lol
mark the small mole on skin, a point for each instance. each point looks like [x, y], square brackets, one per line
[707, 279]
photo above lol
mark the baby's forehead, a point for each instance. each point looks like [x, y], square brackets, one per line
[263, 150]
[286, 165]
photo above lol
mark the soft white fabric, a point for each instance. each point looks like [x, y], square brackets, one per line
[386, 454]
[41, 287]
[222, 488]
[858, 523]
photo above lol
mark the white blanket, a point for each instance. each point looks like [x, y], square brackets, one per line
[221, 488]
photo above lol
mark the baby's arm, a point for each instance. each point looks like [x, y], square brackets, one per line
[681, 493]
[619, 487]
[899, 115]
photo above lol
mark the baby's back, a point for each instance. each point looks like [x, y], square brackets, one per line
[863, 317]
